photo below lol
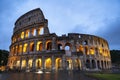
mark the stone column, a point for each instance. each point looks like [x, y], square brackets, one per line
[28, 48]
[43, 62]
[96, 64]
[35, 46]
[21, 63]
[91, 64]
[63, 62]
[100, 64]
[53, 43]
[44, 44]
[27, 67]
[73, 64]
[46, 30]
[33, 63]
[22, 47]
[37, 31]
[31, 35]
[53, 63]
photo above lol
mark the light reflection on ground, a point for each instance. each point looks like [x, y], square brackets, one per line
[60, 75]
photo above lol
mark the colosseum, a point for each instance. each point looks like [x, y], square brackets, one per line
[34, 48]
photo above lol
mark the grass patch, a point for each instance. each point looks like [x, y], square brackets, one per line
[105, 76]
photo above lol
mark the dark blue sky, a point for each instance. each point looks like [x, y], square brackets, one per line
[96, 17]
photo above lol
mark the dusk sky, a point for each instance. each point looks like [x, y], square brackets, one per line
[95, 17]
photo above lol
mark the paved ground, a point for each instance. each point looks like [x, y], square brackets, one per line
[61, 75]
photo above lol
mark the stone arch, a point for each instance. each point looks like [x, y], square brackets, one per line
[48, 63]
[92, 52]
[86, 50]
[25, 47]
[23, 64]
[39, 63]
[93, 64]
[32, 46]
[27, 33]
[41, 31]
[33, 32]
[85, 42]
[48, 45]
[58, 63]
[39, 46]
[30, 62]
[77, 64]
[59, 46]
[68, 46]
[88, 63]
[81, 49]
[69, 64]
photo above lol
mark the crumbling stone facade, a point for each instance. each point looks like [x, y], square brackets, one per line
[33, 47]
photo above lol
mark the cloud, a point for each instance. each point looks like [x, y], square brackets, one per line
[112, 33]
[91, 17]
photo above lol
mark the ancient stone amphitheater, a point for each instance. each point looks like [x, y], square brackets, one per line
[34, 48]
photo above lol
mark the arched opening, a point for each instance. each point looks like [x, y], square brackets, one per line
[85, 42]
[18, 64]
[69, 64]
[32, 46]
[86, 51]
[92, 51]
[33, 32]
[88, 63]
[96, 50]
[102, 64]
[23, 64]
[27, 34]
[41, 31]
[25, 48]
[59, 46]
[30, 63]
[98, 64]
[38, 63]
[58, 64]
[20, 49]
[49, 46]
[77, 64]
[81, 49]
[48, 63]
[68, 46]
[39, 46]
[22, 35]
[93, 64]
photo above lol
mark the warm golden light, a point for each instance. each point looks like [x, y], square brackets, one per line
[92, 51]
[25, 47]
[48, 63]
[18, 63]
[23, 63]
[40, 32]
[32, 46]
[39, 46]
[30, 63]
[38, 63]
[20, 48]
[27, 34]
[58, 63]
[22, 35]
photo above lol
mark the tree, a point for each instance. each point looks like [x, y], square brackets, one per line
[115, 56]
[3, 57]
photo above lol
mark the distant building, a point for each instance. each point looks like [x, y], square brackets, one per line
[33, 47]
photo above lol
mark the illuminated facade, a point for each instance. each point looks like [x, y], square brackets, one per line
[34, 48]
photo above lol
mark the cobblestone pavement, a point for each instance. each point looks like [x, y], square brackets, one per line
[61, 75]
